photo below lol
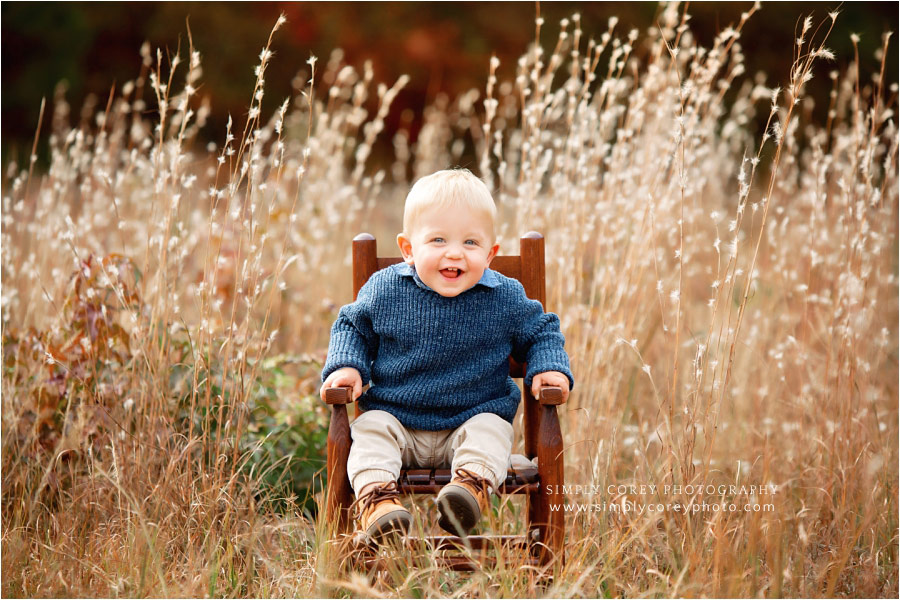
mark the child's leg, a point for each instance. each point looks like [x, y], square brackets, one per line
[379, 442]
[376, 453]
[478, 452]
[482, 445]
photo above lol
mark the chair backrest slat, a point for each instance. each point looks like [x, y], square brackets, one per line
[527, 267]
[511, 266]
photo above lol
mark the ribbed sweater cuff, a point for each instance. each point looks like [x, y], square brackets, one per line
[339, 362]
[347, 350]
[550, 360]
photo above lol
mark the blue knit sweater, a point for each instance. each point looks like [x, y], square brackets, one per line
[434, 362]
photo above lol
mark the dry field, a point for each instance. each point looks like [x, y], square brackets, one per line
[729, 300]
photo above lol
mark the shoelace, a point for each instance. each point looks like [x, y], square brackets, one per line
[483, 484]
[378, 493]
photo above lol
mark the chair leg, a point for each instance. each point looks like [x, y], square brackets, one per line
[338, 495]
[551, 523]
[535, 506]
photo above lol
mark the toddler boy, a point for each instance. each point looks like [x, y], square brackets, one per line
[433, 335]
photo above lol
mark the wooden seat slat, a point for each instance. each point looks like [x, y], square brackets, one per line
[418, 476]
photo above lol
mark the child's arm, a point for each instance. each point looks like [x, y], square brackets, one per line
[538, 342]
[353, 345]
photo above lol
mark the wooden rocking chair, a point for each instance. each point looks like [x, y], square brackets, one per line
[541, 483]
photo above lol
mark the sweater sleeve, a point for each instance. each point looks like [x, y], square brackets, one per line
[538, 341]
[353, 341]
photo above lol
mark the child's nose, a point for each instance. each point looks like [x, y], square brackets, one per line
[454, 251]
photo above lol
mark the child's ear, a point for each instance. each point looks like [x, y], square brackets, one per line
[493, 253]
[405, 248]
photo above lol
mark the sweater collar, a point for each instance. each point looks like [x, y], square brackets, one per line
[488, 279]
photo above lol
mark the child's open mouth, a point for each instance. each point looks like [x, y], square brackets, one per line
[451, 273]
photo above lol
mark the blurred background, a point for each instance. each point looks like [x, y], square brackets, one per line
[444, 47]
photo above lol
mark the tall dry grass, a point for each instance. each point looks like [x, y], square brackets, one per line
[729, 303]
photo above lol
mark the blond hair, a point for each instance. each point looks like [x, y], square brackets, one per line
[451, 188]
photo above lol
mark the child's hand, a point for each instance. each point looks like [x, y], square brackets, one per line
[554, 378]
[346, 376]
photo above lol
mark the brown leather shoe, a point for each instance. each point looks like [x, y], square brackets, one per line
[462, 501]
[380, 512]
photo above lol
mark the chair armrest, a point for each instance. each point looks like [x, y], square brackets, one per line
[550, 395]
[339, 395]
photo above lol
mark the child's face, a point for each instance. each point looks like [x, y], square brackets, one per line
[450, 248]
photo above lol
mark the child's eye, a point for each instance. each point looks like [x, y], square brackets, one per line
[472, 242]
[439, 240]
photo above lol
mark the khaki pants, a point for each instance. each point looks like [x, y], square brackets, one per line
[381, 445]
